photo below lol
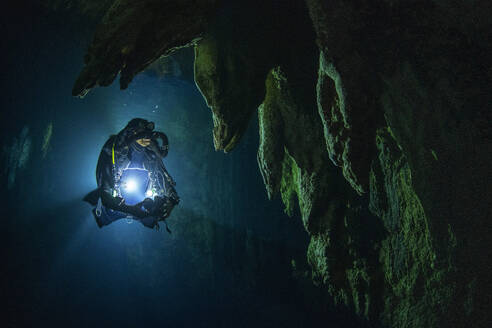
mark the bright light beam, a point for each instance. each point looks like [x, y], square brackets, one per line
[131, 185]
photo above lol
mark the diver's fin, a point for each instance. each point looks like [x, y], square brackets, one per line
[93, 197]
[97, 216]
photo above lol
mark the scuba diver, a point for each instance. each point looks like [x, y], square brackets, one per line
[132, 180]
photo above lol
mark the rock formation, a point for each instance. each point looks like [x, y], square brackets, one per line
[16, 156]
[133, 34]
[374, 123]
[93, 9]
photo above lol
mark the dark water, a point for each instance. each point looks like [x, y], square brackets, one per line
[228, 261]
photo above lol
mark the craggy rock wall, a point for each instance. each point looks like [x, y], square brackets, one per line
[374, 122]
[93, 9]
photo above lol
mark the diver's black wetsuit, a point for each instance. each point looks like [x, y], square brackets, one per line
[128, 154]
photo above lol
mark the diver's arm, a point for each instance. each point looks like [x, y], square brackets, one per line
[161, 151]
[171, 199]
[172, 194]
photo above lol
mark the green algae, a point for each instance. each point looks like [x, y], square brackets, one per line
[416, 285]
[289, 184]
[359, 281]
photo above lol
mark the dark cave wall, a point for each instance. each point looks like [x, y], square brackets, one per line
[374, 124]
[421, 69]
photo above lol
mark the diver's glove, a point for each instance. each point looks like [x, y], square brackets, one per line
[136, 210]
[166, 209]
[161, 207]
[148, 204]
[152, 206]
[174, 198]
[118, 204]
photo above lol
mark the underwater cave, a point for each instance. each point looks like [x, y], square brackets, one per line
[332, 160]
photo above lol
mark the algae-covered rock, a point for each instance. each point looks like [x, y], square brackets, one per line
[291, 156]
[401, 62]
[416, 288]
[231, 65]
[16, 156]
[348, 82]
[232, 85]
[294, 162]
[247, 40]
[344, 260]
[446, 153]
[178, 65]
[271, 152]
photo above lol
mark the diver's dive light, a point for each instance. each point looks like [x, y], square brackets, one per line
[130, 185]
[134, 185]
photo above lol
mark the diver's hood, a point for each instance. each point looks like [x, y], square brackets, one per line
[139, 124]
[137, 128]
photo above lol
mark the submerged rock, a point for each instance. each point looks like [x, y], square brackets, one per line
[178, 65]
[133, 34]
[17, 155]
[348, 34]
[90, 8]
[231, 65]
[294, 162]
[232, 87]
[408, 256]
